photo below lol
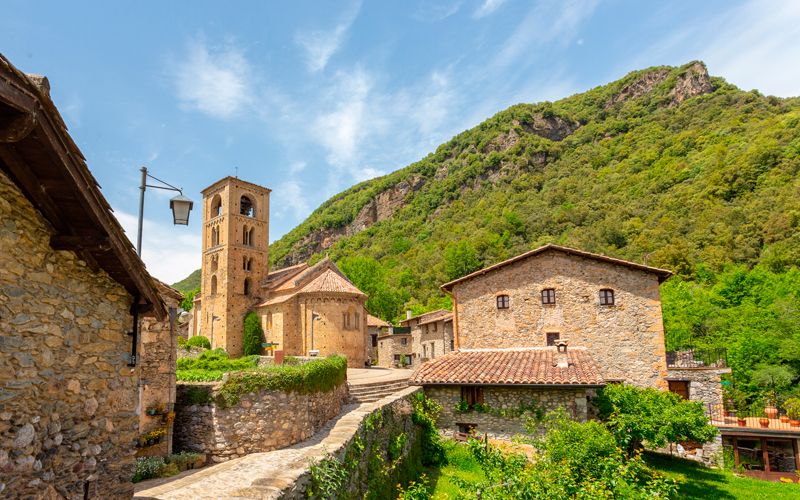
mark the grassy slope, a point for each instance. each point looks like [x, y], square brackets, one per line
[695, 480]
[189, 283]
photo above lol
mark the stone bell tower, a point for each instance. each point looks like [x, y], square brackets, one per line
[235, 258]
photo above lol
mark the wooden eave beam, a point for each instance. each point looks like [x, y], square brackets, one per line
[92, 243]
[16, 97]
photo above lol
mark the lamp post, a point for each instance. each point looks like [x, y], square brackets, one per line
[180, 205]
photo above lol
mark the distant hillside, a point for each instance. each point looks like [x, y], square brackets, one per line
[189, 283]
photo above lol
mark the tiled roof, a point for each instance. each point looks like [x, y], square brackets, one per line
[373, 321]
[447, 316]
[429, 316]
[330, 281]
[509, 366]
[661, 273]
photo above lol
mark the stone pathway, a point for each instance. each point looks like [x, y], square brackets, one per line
[361, 376]
[263, 475]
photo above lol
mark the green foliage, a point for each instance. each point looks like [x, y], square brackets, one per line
[425, 411]
[637, 415]
[396, 445]
[792, 407]
[147, 468]
[196, 395]
[253, 334]
[320, 375]
[774, 378]
[416, 490]
[211, 365]
[182, 342]
[189, 283]
[460, 259]
[574, 460]
[199, 341]
[328, 477]
[188, 299]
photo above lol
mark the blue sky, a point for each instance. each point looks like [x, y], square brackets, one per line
[308, 98]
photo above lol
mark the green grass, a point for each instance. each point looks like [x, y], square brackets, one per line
[696, 481]
[460, 464]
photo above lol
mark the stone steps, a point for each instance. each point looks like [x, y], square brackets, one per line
[369, 393]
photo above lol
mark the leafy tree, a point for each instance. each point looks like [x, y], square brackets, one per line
[460, 259]
[253, 334]
[199, 341]
[637, 415]
[188, 299]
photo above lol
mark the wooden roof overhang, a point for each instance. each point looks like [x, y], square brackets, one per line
[38, 154]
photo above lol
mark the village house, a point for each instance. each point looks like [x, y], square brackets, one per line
[375, 327]
[72, 292]
[305, 310]
[544, 330]
[431, 335]
[395, 348]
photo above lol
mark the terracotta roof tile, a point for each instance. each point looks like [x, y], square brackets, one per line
[429, 316]
[330, 281]
[373, 321]
[511, 366]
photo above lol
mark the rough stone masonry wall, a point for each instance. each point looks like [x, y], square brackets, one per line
[67, 397]
[626, 340]
[390, 345]
[265, 421]
[574, 401]
[157, 357]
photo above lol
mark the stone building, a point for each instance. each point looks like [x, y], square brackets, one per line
[431, 335]
[72, 290]
[375, 328]
[394, 348]
[572, 320]
[305, 310]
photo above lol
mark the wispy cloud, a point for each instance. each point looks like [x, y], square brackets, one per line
[487, 7]
[213, 80]
[321, 45]
[170, 252]
[431, 12]
[291, 196]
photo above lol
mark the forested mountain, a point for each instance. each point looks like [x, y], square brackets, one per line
[667, 166]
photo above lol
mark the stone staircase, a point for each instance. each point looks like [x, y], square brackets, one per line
[368, 393]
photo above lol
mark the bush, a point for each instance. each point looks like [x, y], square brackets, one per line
[636, 415]
[199, 341]
[211, 365]
[253, 334]
[425, 411]
[147, 468]
[182, 342]
[316, 376]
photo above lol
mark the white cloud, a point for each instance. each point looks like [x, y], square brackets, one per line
[487, 7]
[170, 252]
[756, 46]
[291, 195]
[213, 80]
[321, 45]
[431, 12]
[297, 167]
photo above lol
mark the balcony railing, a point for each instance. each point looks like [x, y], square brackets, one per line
[698, 358]
[753, 419]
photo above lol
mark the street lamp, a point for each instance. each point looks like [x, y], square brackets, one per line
[180, 205]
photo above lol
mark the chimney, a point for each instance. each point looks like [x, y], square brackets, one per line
[562, 361]
[408, 314]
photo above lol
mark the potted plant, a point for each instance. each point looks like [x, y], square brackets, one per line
[792, 406]
[773, 378]
[763, 422]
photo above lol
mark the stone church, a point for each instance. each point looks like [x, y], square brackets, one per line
[304, 310]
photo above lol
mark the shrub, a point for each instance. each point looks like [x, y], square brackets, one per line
[425, 411]
[316, 376]
[253, 334]
[636, 415]
[181, 342]
[792, 407]
[396, 445]
[147, 468]
[199, 341]
[211, 365]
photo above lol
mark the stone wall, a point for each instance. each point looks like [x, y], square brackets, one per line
[574, 401]
[157, 358]
[431, 340]
[390, 345]
[68, 400]
[626, 339]
[264, 421]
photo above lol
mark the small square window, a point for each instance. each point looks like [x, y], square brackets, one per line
[403, 341]
[552, 337]
[549, 296]
[606, 297]
[472, 394]
[502, 302]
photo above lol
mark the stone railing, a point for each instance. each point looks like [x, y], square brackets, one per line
[263, 421]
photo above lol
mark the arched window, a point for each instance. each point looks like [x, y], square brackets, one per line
[247, 286]
[214, 236]
[214, 263]
[251, 237]
[247, 207]
[245, 236]
[216, 206]
[213, 285]
[247, 263]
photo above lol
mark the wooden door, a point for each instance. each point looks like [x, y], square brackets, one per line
[679, 387]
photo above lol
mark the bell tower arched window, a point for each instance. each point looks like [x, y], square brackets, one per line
[247, 207]
[214, 236]
[216, 206]
[213, 285]
[247, 286]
